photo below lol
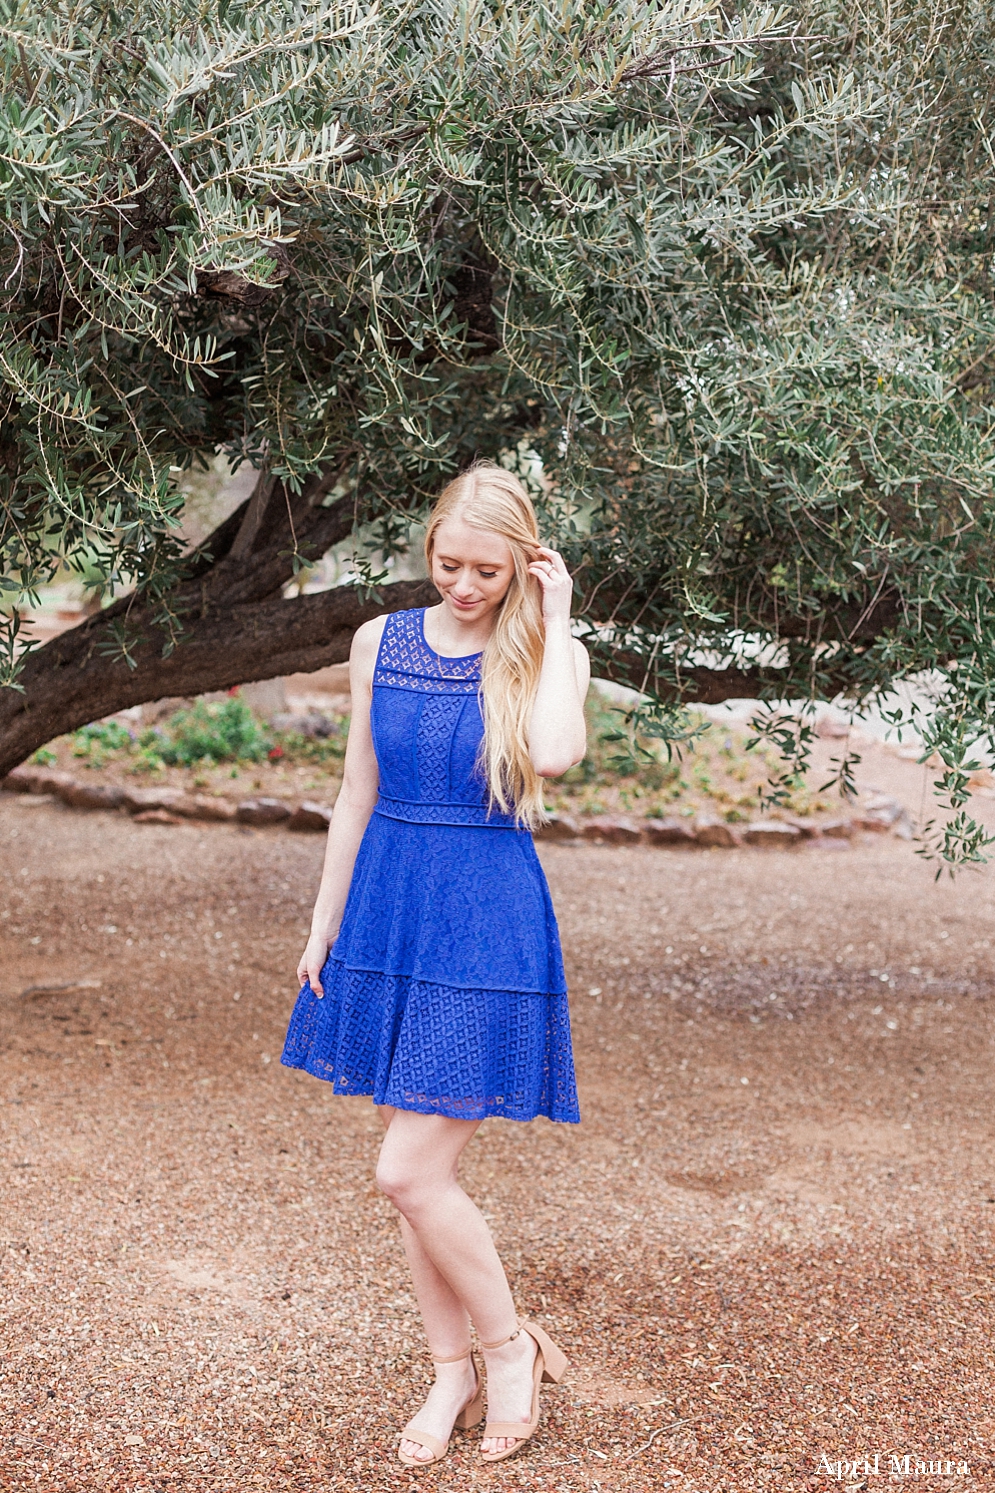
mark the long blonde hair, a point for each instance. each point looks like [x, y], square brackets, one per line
[489, 497]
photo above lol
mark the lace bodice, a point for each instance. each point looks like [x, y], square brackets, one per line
[427, 729]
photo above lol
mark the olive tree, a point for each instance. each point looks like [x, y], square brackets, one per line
[724, 270]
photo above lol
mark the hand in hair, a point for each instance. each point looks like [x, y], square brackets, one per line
[554, 578]
[557, 732]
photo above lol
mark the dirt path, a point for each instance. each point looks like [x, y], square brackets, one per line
[768, 1244]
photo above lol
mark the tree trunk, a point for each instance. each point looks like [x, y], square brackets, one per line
[235, 624]
[237, 627]
[69, 683]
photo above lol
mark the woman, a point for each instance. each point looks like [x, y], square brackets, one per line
[432, 978]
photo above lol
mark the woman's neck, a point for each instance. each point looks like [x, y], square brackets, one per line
[453, 637]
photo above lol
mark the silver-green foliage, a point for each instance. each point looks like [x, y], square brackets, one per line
[726, 269]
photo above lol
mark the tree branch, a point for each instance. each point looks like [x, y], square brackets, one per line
[70, 682]
[252, 521]
[700, 686]
[237, 627]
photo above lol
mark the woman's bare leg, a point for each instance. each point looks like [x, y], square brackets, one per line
[447, 1327]
[447, 1323]
[456, 1271]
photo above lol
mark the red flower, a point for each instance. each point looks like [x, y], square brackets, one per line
[275, 753]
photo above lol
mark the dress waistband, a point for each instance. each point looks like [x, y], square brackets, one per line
[421, 812]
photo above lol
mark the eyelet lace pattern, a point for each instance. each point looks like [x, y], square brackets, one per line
[407, 662]
[438, 1050]
[444, 992]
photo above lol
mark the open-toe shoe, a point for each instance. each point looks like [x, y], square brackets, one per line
[470, 1416]
[550, 1365]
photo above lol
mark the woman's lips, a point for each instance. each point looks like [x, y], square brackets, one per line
[465, 605]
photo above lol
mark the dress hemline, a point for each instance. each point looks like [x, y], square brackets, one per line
[490, 1111]
[368, 1037]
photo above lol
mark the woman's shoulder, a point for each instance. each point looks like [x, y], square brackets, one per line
[368, 636]
[366, 641]
[370, 632]
[363, 654]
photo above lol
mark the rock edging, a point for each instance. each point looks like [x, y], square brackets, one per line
[881, 814]
[166, 805]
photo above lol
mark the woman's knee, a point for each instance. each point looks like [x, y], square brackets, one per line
[400, 1183]
[389, 1178]
[418, 1159]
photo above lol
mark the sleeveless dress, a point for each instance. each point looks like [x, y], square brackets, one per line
[444, 990]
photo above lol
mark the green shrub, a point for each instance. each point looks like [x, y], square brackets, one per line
[147, 758]
[96, 742]
[223, 732]
[109, 735]
[630, 772]
[317, 750]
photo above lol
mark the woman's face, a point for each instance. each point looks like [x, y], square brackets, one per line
[471, 568]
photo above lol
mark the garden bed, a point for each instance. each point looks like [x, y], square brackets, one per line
[217, 761]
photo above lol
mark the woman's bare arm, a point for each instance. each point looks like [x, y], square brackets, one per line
[353, 807]
[557, 730]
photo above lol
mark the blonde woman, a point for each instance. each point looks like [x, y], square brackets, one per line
[433, 978]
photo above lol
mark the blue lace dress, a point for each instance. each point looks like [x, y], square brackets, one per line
[444, 991]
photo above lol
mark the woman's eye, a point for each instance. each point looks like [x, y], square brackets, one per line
[449, 567]
[487, 575]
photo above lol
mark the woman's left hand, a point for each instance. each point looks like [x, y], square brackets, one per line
[554, 578]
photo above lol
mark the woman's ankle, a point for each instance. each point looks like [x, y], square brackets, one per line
[519, 1349]
[449, 1372]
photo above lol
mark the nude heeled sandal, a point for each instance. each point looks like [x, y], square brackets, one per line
[550, 1366]
[470, 1416]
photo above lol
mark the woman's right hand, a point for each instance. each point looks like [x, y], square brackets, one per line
[312, 961]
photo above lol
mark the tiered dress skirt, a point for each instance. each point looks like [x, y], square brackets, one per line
[439, 997]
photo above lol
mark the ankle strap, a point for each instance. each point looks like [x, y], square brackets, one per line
[489, 1347]
[456, 1357]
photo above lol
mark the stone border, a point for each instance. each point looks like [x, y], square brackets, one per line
[881, 815]
[165, 805]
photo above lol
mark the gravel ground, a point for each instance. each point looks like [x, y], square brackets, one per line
[767, 1249]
